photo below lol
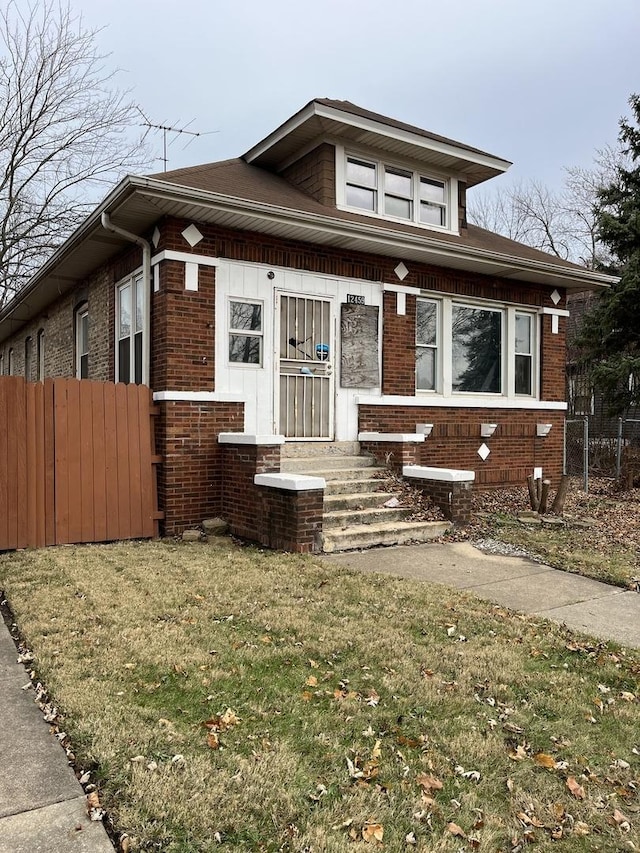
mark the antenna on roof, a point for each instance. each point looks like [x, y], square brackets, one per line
[169, 129]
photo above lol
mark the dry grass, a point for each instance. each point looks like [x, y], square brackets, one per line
[361, 706]
[600, 540]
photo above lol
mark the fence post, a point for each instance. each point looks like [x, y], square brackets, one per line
[619, 449]
[585, 454]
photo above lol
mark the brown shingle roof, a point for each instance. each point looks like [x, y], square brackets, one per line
[238, 179]
[354, 109]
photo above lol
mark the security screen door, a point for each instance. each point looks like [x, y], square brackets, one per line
[305, 368]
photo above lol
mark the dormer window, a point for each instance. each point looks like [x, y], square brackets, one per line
[395, 193]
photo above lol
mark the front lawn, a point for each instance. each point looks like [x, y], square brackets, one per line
[226, 698]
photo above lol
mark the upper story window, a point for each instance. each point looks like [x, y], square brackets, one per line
[130, 331]
[82, 342]
[396, 193]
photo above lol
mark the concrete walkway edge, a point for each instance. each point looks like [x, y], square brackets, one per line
[42, 805]
[599, 609]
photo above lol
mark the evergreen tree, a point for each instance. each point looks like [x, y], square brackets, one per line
[610, 336]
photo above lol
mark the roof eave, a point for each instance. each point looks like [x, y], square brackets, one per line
[263, 152]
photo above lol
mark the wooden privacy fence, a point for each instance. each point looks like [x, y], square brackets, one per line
[76, 462]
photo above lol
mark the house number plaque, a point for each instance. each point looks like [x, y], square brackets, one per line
[354, 299]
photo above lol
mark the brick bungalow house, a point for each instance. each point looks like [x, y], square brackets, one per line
[324, 287]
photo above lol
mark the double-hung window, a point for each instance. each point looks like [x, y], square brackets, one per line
[396, 193]
[245, 332]
[464, 348]
[524, 354]
[82, 342]
[130, 331]
[427, 323]
[28, 358]
[362, 184]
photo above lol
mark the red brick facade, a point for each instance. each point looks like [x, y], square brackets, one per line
[191, 483]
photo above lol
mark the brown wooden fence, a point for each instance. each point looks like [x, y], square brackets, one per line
[76, 462]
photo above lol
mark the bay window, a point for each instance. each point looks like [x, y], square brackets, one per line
[475, 349]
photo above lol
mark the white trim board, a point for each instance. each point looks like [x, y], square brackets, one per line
[195, 397]
[462, 403]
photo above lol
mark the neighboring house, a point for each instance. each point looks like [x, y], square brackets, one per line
[583, 398]
[323, 285]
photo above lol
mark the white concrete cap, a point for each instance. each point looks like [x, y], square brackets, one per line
[290, 482]
[246, 438]
[448, 475]
[414, 437]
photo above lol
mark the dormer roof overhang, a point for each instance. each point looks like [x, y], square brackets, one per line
[343, 122]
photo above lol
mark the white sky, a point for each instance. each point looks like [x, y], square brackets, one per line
[540, 82]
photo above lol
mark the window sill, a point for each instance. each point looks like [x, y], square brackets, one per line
[480, 401]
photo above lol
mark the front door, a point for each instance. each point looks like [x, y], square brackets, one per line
[305, 390]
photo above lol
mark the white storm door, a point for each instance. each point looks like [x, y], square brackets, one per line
[305, 352]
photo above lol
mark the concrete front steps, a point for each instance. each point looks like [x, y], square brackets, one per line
[354, 498]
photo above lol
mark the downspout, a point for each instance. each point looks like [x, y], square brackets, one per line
[108, 225]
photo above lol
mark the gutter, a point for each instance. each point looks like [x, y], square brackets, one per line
[348, 228]
[108, 225]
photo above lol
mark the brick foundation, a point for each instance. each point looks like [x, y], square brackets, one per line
[276, 518]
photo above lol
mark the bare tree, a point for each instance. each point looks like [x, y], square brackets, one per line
[563, 223]
[65, 132]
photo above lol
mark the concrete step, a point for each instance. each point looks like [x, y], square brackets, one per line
[319, 448]
[343, 519]
[320, 464]
[354, 485]
[355, 501]
[388, 533]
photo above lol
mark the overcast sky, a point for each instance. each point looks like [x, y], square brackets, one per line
[542, 83]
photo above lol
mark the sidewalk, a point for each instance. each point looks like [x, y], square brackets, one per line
[42, 806]
[603, 611]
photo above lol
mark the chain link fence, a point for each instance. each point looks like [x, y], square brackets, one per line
[590, 451]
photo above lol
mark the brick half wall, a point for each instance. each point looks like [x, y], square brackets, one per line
[455, 440]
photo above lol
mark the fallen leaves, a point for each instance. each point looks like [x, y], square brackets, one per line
[576, 789]
[373, 833]
[219, 723]
[544, 760]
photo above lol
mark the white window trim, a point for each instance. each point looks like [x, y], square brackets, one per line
[444, 376]
[135, 279]
[248, 332]
[81, 311]
[450, 182]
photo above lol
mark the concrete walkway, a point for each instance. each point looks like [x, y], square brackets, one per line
[42, 806]
[603, 611]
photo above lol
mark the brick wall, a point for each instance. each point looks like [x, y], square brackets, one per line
[58, 323]
[183, 330]
[190, 481]
[315, 174]
[454, 499]
[399, 347]
[455, 440]
[277, 518]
